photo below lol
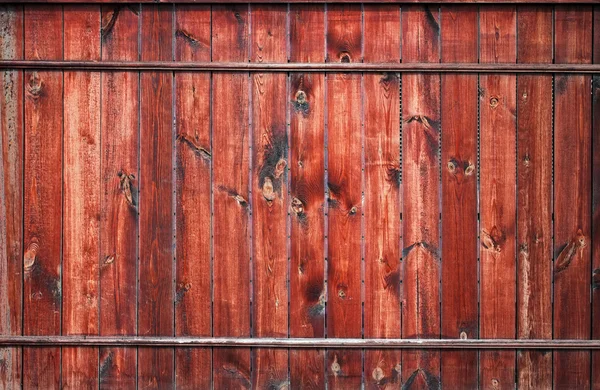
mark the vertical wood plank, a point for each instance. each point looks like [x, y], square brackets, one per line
[269, 195]
[81, 195]
[497, 196]
[119, 191]
[344, 192]
[596, 202]
[231, 208]
[307, 189]
[193, 298]
[534, 195]
[382, 195]
[572, 200]
[43, 198]
[155, 301]
[11, 194]
[421, 195]
[459, 195]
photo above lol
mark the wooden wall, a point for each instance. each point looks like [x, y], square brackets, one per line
[290, 204]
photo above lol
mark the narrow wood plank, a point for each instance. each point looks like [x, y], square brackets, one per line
[344, 192]
[81, 195]
[382, 196]
[231, 197]
[497, 195]
[155, 300]
[269, 195]
[596, 203]
[421, 195]
[307, 189]
[43, 200]
[313, 1]
[534, 195]
[11, 194]
[572, 195]
[193, 298]
[120, 201]
[459, 196]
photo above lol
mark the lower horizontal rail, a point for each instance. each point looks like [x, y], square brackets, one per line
[299, 67]
[134, 341]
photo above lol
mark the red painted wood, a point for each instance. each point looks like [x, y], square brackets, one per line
[459, 196]
[193, 290]
[81, 195]
[231, 197]
[596, 203]
[382, 196]
[269, 195]
[497, 196]
[43, 201]
[344, 182]
[314, 1]
[534, 195]
[120, 200]
[572, 205]
[155, 272]
[11, 193]
[421, 195]
[307, 199]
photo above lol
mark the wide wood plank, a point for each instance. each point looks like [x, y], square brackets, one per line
[572, 195]
[120, 200]
[231, 197]
[43, 198]
[382, 195]
[307, 199]
[11, 194]
[497, 196]
[534, 194]
[459, 196]
[155, 300]
[193, 290]
[81, 195]
[269, 195]
[344, 191]
[421, 195]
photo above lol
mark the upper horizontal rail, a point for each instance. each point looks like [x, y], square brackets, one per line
[308, 1]
[133, 341]
[299, 67]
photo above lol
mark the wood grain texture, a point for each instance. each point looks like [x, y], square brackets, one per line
[421, 195]
[344, 115]
[344, 367]
[155, 272]
[382, 196]
[497, 195]
[120, 200]
[344, 33]
[572, 195]
[534, 195]
[307, 200]
[11, 194]
[43, 201]
[269, 195]
[595, 384]
[81, 195]
[459, 196]
[193, 289]
[231, 197]
[316, 1]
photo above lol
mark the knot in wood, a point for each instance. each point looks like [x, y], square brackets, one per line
[342, 294]
[279, 168]
[301, 97]
[35, 85]
[495, 383]
[30, 255]
[267, 190]
[463, 335]
[353, 210]
[297, 206]
[345, 57]
[377, 374]
[494, 102]
[335, 367]
[469, 170]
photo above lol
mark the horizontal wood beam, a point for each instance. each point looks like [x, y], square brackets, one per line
[300, 67]
[134, 341]
[302, 1]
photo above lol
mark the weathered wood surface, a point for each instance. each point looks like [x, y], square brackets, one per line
[534, 195]
[256, 203]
